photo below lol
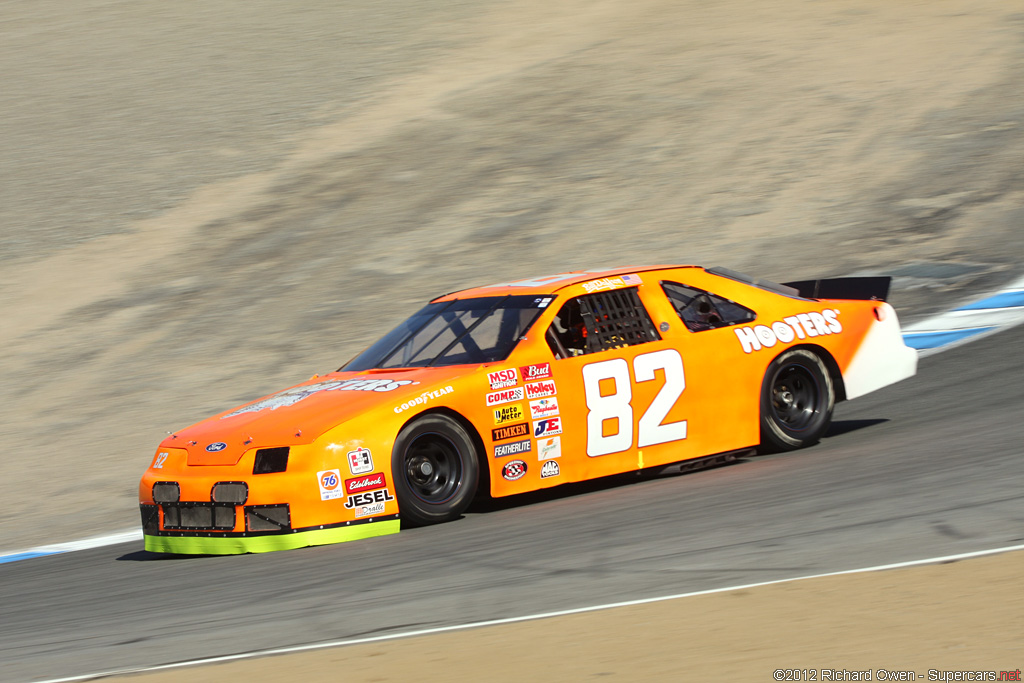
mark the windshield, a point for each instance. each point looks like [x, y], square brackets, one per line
[455, 333]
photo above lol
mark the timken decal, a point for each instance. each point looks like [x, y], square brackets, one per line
[500, 379]
[505, 396]
[508, 414]
[799, 326]
[368, 483]
[510, 432]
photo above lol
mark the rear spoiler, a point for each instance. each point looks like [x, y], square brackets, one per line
[858, 288]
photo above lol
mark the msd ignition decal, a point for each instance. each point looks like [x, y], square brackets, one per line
[541, 389]
[547, 427]
[543, 408]
[500, 379]
[550, 447]
[423, 398]
[508, 414]
[369, 483]
[292, 396]
[505, 396]
[510, 432]
[513, 448]
[360, 461]
[538, 371]
[799, 326]
[513, 469]
[549, 469]
[330, 485]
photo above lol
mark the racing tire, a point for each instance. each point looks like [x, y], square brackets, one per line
[435, 468]
[797, 399]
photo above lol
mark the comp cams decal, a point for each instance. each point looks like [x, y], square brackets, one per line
[799, 326]
[360, 461]
[423, 398]
[505, 396]
[510, 432]
[513, 470]
[294, 395]
[502, 379]
[508, 414]
[549, 469]
[502, 450]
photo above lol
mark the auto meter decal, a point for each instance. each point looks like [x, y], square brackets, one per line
[508, 414]
[541, 389]
[216, 447]
[547, 427]
[549, 469]
[799, 326]
[330, 484]
[360, 461]
[367, 483]
[501, 379]
[534, 372]
[292, 396]
[512, 448]
[513, 470]
[510, 432]
[505, 396]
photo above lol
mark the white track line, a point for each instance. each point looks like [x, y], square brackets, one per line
[514, 620]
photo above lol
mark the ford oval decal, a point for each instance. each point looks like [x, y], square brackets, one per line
[216, 447]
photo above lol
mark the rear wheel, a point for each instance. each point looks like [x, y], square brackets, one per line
[435, 468]
[797, 398]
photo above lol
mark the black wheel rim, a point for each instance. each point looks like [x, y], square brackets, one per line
[433, 468]
[796, 394]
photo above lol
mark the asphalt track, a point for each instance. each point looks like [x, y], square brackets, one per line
[929, 467]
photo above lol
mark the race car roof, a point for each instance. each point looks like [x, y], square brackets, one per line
[549, 284]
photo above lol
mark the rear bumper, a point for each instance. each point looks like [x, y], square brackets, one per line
[882, 357]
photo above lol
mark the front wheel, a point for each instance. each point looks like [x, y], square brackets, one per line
[797, 398]
[435, 469]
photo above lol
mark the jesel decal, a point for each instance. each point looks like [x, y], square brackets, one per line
[799, 326]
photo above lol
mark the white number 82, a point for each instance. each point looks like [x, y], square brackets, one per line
[617, 405]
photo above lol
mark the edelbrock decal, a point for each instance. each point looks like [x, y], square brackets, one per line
[800, 326]
[295, 394]
[367, 483]
[423, 398]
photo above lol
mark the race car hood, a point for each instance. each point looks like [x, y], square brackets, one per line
[300, 414]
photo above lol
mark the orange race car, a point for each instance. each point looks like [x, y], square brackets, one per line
[522, 386]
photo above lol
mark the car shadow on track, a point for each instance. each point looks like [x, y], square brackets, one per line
[840, 427]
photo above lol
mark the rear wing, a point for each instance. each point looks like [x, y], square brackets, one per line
[858, 288]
